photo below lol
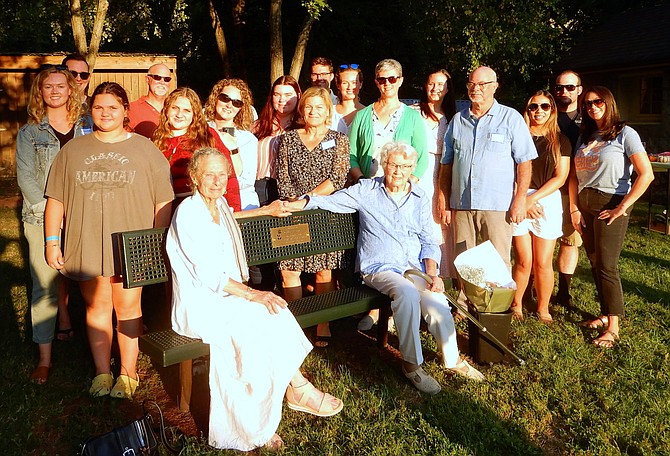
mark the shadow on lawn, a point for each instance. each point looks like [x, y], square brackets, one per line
[13, 277]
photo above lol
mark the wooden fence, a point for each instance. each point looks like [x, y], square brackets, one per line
[17, 73]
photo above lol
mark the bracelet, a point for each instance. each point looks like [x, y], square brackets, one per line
[577, 210]
[52, 238]
[235, 151]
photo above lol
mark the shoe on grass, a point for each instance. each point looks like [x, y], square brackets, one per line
[101, 385]
[125, 387]
[464, 369]
[422, 381]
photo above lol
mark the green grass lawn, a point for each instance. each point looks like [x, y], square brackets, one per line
[570, 397]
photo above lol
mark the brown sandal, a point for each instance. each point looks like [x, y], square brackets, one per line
[517, 312]
[599, 322]
[602, 342]
[40, 375]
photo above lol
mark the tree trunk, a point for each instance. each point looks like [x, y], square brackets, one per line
[276, 46]
[239, 58]
[96, 35]
[220, 38]
[78, 30]
[301, 46]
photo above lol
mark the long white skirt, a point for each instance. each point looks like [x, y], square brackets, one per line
[253, 356]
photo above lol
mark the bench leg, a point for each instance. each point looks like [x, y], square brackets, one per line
[383, 326]
[185, 385]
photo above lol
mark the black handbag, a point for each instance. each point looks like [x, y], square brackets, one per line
[133, 439]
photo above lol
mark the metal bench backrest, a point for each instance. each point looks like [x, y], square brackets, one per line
[141, 258]
[270, 239]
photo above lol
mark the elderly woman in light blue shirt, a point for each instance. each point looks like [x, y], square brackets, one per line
[394, 236]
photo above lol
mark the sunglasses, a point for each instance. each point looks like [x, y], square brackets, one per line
[157, 77]
[84, 75]
[345, 66]
[391, 79]
[535, 106]
[223, 98]
[568, 87]
[598, 102]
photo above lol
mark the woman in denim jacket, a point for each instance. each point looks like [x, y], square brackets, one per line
[54, 117]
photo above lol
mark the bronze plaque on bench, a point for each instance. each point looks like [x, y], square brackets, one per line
[290, 235]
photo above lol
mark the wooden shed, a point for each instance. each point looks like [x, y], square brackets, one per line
[17, 73]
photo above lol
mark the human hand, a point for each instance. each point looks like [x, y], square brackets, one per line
[438, 285]
[54, 257]
[534, 210]
[278, 208]
[270, 300]
[612, 214]
[577, 221]
[517, 212]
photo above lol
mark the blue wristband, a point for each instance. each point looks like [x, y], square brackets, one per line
[52, 238]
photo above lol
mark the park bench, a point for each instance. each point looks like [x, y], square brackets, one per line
[142, 259]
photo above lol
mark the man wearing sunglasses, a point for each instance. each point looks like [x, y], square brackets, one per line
[567, 90]
[78, 66]
[145, 111]
[488, 151]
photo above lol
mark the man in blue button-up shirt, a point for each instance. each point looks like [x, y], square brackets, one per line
[488, 149]
[394, 236]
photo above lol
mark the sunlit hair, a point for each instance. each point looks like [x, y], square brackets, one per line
[338, 77]
[566, 72]
[198, 156]
[37, 108]
[612, 124]
[265, 125]
[114, 89]
[400, 147]
[448, 104]
[314, 92]
[245, 116]
[550, 128]
[325, 61]
[388, 65]
[76, 58]
[197, 135]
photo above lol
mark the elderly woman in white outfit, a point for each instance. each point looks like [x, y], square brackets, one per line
[252, 368]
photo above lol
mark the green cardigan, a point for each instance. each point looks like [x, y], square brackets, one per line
[361, 138]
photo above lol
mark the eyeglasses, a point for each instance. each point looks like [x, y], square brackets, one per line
[568, 87]
[403, 168]
[157, 77]
[84, 75]
[223, 98]
[321, 75]
[598, 102]
[535, 106]
[346, 66]
[481, 85]
[391, 79]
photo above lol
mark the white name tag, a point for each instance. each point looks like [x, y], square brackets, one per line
[328, 144]
[497, 137]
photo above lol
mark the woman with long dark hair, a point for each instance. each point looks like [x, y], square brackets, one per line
[278, 116]
[534, 238]
[601, 196]
[437, 106]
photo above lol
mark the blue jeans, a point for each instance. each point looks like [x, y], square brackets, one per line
[603, 244]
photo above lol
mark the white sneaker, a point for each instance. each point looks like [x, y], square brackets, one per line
[469, 372]
[366, 323]
[422, 381]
